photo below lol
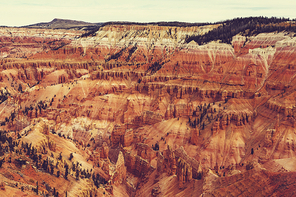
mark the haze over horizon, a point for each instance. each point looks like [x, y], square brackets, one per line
[19, 13]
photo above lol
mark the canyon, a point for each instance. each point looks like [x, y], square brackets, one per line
[135, 110]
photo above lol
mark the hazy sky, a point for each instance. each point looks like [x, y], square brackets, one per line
[25, 12]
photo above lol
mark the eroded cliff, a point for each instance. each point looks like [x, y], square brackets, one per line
[135, 110]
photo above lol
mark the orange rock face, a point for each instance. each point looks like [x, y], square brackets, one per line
[134, 110]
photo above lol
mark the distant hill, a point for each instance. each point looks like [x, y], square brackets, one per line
[65, 24]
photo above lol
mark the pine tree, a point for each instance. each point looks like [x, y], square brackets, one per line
[71, 156]
[1, 162]
[77, 174]
[51, 168]
[66, 171]
[20, 88]
[37, 188]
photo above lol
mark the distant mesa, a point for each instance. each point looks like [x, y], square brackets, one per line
[64, 24]
[81, 25]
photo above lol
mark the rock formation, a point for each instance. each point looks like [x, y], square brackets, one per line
[136, 110]
[120, 172]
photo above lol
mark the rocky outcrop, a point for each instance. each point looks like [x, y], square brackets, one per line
[118, 136]
[170, 161]
[189, 162]
[195, 134]
[137, 165]
[145, 151]
[104, 151]
[119, 176]
[147, 118]
[107, 75]
[124, 134]
[128, 137]
[2, 186]
[178, 163]
[180, 110]
[184, 172]
[155, 191]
